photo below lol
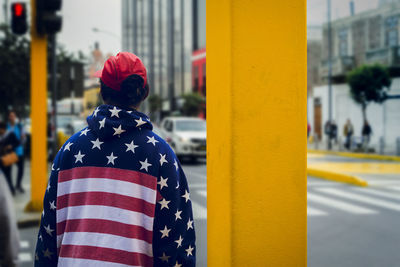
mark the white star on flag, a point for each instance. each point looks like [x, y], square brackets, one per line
[186, 196]
[178, 215]
[96, 144]
[114, 112]
[79, 157]
[48, 230]
[164, 203]
[179, 241]
[118, 131]
[176, 164]
[189, 250]
[140, 122]
[102, 123]
[163, 182]
[189, 224]
[52, 205]
[145, 165]
[111, 158]
[163, 159]
[177, 264]
[95, 112]
[68, 146]
[84, 132]
[131, 147]
[165, 232]
[151, 140]
[47, 253]
[164, 257]
[48, 186]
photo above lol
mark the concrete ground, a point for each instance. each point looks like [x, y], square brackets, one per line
[350, 225]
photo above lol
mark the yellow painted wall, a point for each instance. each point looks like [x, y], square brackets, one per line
[90, 96]
[256, 105]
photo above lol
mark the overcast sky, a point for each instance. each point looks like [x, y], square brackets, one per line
[81, 16]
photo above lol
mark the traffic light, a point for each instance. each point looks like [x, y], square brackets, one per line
[47, 20]
[18, 21]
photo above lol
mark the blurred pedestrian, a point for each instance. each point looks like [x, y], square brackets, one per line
[366, 133]
[8, 144]
[334, 132]
[9, 236]
[348, 131]
[117, 195]
[308, 129]
[328, 130]
[15, 126]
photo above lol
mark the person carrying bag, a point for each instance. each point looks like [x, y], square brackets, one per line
[8, 143]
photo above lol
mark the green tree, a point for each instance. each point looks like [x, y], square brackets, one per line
[14, 71]
[193, 103]
[369, 83]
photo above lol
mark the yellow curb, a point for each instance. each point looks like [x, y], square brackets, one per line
[355, 155]
[337, 177]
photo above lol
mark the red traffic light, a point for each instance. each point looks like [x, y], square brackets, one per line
[18, 9]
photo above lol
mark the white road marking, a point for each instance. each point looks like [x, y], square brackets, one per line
[337, 204]
[397, 188]
[315, 212]
[378, 192]
[197, 186]
[384, 182]
[24, 244]
[199, 212]
[369, 200]
[24, 257]
[201, 176]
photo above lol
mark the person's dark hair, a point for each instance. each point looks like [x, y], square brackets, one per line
[131, 94]
[3, 125]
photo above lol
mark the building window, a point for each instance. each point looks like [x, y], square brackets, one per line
[391, 26]
[343, 46]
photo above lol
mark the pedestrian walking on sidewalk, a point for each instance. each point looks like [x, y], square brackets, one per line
[366, 133]
[117, 194]
[8, 144]
[9, 236]
[17, 128]
[348, 131]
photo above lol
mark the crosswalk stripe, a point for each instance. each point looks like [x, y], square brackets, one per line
[341, 205]
[202, 192]
[24, 257]
[369, 200]
[384, 182]
[315, 212]
[397, 188]
[199, 212]
[24, 244]
[378, 193]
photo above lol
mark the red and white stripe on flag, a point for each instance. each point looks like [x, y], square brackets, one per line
[105, 215]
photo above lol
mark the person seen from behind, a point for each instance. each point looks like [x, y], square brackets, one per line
[366, 133]
[117, 194]
[17, 128]
[8, 145]
[348, 131]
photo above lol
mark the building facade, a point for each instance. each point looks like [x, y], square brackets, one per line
[160, 33]
[369, 37]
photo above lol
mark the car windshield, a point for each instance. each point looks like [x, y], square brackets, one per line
[191, 125]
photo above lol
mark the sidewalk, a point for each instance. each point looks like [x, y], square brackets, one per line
[354, 170]
[25, 219]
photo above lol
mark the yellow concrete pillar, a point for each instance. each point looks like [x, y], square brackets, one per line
[38, 116]
[256, 119]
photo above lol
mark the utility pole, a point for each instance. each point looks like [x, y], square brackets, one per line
[182, 47]
[171, 54]
[329, 74]
[53, 87]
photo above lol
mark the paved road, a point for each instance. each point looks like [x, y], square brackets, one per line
[354, 226]
[196, 175]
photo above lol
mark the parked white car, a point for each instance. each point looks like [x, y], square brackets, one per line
[186, 136]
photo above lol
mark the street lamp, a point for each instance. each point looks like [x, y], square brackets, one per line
[97, 30]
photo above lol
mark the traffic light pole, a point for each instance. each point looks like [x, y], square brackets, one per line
[53, 42]
[38, 115]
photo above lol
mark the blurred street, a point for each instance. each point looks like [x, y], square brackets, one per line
[196, 175]
[351, 225]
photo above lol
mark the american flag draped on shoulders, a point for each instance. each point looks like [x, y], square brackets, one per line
[117, 196]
